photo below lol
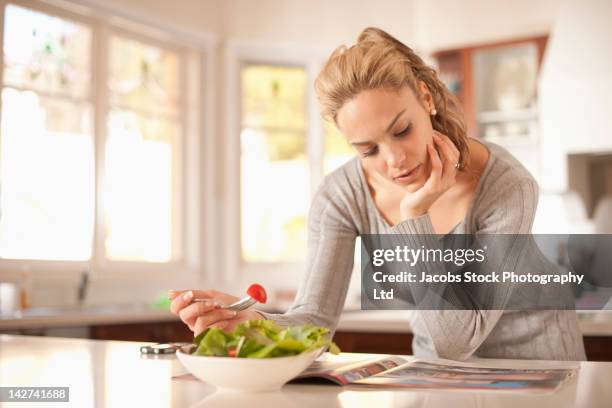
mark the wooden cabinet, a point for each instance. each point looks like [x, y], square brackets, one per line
[496, 85]
[383, 343]
[160, 332]
[492, 78]
[598, 348]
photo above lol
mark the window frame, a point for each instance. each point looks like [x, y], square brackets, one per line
[237, 54]
[104, 264]
[195, 149]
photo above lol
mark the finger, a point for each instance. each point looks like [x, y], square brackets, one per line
[181, 301]
[454, 154]
[447, 140]
[452, 146]
[448, 159]
[222, 325]
[207, 294]
[173, 293]
[203, 322]
[436, 163]
[436, 169]
[445, 150]
[190, 313]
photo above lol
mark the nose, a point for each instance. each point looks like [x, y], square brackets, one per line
[396, 158]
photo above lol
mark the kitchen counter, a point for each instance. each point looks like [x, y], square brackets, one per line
[52, 317]
[113, 374]
[387, 321]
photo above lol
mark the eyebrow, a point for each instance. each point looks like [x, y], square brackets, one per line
[386, 131]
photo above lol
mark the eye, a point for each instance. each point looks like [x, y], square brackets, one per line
[405, 131]
[371, 152]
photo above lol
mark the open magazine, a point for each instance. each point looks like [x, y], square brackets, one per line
[400, 372]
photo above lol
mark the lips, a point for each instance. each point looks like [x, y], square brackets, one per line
[407, 176]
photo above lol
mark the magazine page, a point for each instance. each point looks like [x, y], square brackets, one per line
[424, 374]
[343, 372]
[503, 363]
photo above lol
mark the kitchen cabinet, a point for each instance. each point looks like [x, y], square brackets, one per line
[368, 342]
[496, 84]
[159, 332]
[358, 332]
[598, 348]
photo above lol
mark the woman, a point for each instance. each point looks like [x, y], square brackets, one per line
[416, 172]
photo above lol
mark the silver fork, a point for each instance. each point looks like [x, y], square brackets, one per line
[239, 305]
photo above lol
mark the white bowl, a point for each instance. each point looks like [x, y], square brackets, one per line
[245, 374]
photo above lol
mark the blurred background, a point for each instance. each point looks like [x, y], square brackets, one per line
[148, 145]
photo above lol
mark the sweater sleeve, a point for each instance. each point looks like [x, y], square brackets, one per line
[329, 264]
[457, 334]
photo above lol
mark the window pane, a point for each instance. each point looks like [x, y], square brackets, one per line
[274, 164]
[143, 77]
[274, 196]
[273, 97]
[337, 149]
[47, 178]
[46, 53]
[141, 188]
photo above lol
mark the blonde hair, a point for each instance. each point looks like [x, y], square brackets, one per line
[378, 60]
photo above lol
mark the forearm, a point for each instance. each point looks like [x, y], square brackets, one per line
[458, 317]
[298, 318]
[329, 264]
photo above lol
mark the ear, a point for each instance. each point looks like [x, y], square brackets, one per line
[426, 96]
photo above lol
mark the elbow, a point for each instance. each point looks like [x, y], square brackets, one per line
[315, 318]
[453, 352]
[461, 343]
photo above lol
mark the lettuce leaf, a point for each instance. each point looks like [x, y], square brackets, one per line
[263, 339]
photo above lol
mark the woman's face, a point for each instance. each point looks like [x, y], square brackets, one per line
[390, 131]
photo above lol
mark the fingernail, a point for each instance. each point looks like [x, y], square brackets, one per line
[234, 313]
[188, 295]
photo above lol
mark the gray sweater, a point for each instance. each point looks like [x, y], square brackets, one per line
[504, 203]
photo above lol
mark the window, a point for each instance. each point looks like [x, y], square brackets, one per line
[274, 186]
[285, 150]
[93, 133]
[47, 159]
[142, 153]
[337, 150]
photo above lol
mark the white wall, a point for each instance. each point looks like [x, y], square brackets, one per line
[315, 22]
[576, 88]
[199, 17]
[423, 24]
[443, 24]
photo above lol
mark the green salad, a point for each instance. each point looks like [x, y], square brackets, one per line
[263, 339]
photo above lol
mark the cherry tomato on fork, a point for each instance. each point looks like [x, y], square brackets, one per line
[257, 292]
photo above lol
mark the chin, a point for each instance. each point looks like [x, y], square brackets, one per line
[411, 188]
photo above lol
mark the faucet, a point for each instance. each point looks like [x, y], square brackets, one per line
[83, 283]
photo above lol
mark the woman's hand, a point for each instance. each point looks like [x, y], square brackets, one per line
[443, 159]
[199, 316]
